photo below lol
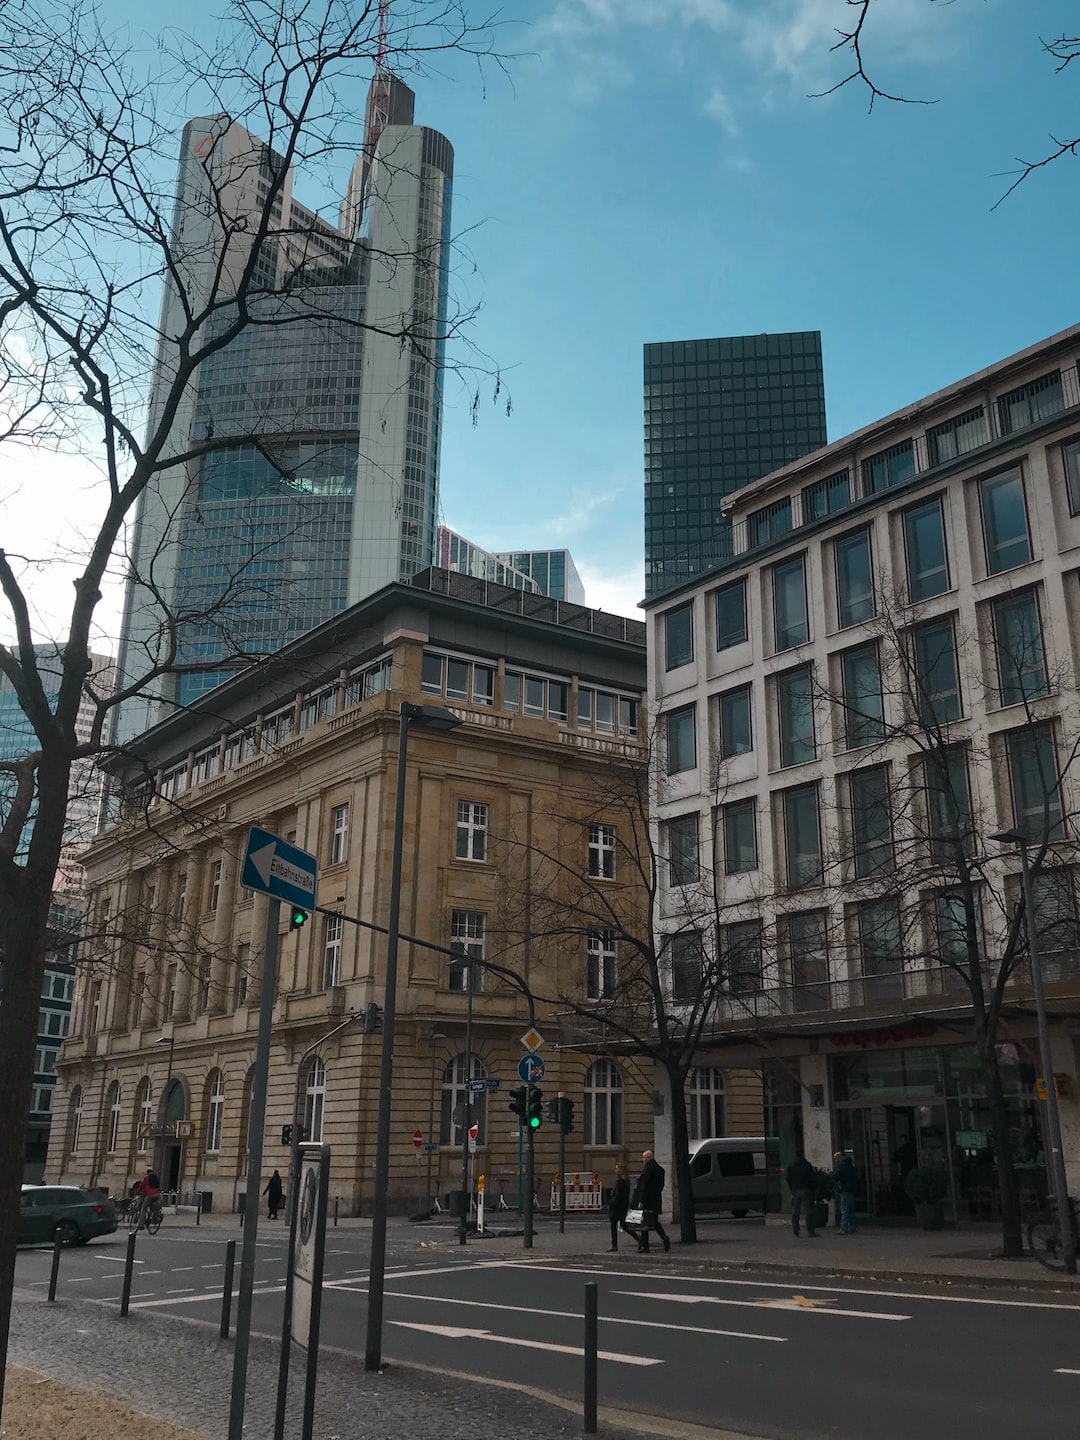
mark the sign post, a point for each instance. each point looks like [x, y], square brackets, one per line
[281, 872]
[306, 1262]
[418, 1145]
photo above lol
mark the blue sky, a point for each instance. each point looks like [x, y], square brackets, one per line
[643, 170]
[658, 171]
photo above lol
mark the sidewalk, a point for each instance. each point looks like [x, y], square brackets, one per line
[959, 1255]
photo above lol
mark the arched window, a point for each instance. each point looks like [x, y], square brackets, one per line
[112, 1104]
[314, 1100]
[603, 1104]
[144, 1112]
[454, 1094]
[214, 1109]
[75, 1122]
[705, 1103]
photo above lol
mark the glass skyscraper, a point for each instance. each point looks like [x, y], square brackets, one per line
[719, 414]
[324, 410]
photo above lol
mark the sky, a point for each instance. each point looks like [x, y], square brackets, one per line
[643, 170]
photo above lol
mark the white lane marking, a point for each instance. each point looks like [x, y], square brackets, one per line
[209, 1267]
[1063, 1371]
[176, 1269]
[79, 1279]
[451, 1332]
[560, 1314]
[116, 1259]
[151, 1304]
[909, 1295]
[189, 1291]
[793, 1303]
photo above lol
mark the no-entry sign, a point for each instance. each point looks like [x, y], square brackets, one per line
[417, 1139]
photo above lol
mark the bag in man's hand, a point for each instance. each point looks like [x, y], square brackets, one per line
[635, 1217]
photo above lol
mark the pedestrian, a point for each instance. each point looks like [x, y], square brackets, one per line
[273, 1192]
[618, 1205]
[846, 1181]
[648, 1198]
[802, 1182]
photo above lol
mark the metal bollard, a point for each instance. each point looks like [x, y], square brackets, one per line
[591, 1292]
[198, 1208]
[226, 1294]
[55, 1272]
[335, 1210]
[129, 1270]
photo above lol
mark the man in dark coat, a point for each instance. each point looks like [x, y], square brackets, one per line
[847, 1182]
[618, 1205]
[649, 1196]
[802, 1181]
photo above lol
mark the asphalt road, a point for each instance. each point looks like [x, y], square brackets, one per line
[778, 1357]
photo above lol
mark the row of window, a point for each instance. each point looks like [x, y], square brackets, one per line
[603, 711]
[602, 1109]
[933, 803]
[1007, 543]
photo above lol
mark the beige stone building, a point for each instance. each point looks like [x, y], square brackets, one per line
[549, 696]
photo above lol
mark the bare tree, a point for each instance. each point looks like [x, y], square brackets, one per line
[90, 233]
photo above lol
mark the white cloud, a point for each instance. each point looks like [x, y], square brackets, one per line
[618, 594]
[718, 107]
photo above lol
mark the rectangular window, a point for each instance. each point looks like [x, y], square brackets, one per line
[864, 711]
[924, 551]
[215, 886]
[467, 938]
[742, 956]
[483, 685]
[1005, 526]
[339, 834]
[471, 839]
[681, 740]
[602, 852]
[888, 468]
[802, 837]
[871, 820]
[768, 523]
[740, 837]
[557, 699]
[1036, 782]
[457, 679]
[806, 946]
[937, 679]
[1031, 403]
[600, 965]
[431, 673]
[957, 436]
[534, 695]
[1071, 456]
[795, 707]
[731, 626]
[826, 497]
[512, 690]
[854, 579]
[1018, 643]
[687, 967]
[948, 802]
[682, 838]
[951, 939]
[1053, 901]
[736, 723]
[679, 636]
[791, 620]
[332, 951]
[881, 950]
[605, 713]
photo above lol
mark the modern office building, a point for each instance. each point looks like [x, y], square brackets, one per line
[858, 707]
[332, 390]
[54, 1021]
[461, 556]
[718, 415]
[553, 571]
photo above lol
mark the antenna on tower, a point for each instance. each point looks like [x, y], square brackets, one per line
[378, 113]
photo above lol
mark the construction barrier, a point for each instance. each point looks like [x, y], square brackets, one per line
[583, 1192]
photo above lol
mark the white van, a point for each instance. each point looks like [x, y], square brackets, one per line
[731, 1173]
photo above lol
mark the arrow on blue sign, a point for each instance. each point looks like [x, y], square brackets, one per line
[531, 1069]
[275, 868]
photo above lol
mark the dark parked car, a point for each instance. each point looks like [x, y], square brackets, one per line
[67, 1211]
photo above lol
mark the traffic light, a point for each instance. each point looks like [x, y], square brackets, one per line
[566, 1114]
[373, 1018]
[286, 1134]
[297, 918]
[535, 1108]
[553, 1114]
[519, 1103]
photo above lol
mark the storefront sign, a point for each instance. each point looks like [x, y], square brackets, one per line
[888, 1035]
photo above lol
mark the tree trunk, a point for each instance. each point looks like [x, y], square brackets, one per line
[1012, 1239]
[680, 1140]
[24, 919]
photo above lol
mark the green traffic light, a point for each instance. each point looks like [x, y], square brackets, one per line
[535, 1122]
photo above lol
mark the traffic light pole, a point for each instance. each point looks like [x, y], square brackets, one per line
[529, 1171]
[467, 1107]
[562, 1166]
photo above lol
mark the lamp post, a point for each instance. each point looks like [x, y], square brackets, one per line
[432, 717]
[169, 1040]
[1053, 1117]
[435, 1035]
[467, 1105]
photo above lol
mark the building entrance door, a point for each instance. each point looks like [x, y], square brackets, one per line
[170, 1178]
[887, 1142]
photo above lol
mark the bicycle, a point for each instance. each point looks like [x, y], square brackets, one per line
[1044, 1235]
[147, 1217]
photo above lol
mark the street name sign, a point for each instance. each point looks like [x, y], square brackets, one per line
[275, 868]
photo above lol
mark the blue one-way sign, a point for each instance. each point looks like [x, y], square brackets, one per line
[278, 869]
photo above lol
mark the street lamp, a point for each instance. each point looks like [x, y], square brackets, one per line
[1053, 1118]
[435, 1035]
[431, 717]
[169, 1040]
[466, 961]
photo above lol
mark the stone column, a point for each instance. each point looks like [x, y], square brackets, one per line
[187, 962]
[222, 964]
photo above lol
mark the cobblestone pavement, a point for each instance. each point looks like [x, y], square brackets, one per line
[176, 1371]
